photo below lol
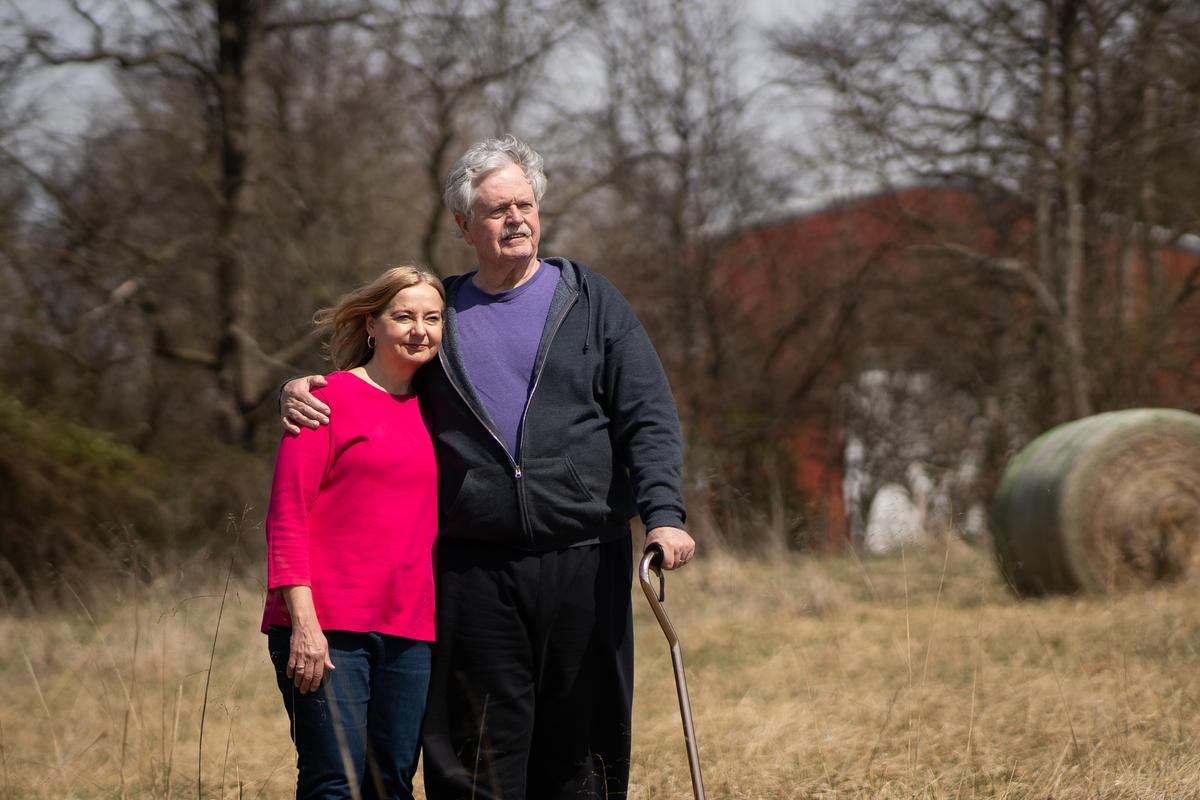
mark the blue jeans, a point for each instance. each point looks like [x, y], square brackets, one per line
[358, 734]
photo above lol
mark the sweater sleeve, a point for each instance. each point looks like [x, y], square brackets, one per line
[300, 470]
[646, 426]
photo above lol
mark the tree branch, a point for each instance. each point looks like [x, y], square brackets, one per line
[302, 22]
[1012, 266]
[36, 43]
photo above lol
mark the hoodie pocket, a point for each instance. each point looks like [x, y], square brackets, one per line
[560, 505]
[485, 506]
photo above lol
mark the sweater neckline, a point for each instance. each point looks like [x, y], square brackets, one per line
[375, 389]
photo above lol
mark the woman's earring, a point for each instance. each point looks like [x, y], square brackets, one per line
[370, 342]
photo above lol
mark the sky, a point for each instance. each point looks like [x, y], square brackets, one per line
[775, 11]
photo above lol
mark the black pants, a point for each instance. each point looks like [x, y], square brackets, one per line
[532, 679]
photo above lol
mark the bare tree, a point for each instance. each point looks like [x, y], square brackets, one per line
[1054, 109]
[265, 157]
[195, 59]
[472, 69]
[676, 164]
[1053, 280]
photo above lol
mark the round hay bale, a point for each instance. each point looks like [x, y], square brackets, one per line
[1105, 503]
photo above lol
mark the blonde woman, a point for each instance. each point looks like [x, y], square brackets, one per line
[350, 533]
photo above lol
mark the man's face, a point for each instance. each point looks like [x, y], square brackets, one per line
[503, 226]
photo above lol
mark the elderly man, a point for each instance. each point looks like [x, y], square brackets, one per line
[553, 425]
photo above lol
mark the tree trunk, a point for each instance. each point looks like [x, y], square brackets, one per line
[1077, 374]
[237, 27]
[1147, 154]
[1043, 338]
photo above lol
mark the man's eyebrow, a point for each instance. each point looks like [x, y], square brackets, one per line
[516, 201]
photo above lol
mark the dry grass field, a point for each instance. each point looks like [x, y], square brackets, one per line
[916, 675]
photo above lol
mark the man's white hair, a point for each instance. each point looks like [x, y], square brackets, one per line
[488, 156]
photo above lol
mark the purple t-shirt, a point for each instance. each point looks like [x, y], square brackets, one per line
[498, 336]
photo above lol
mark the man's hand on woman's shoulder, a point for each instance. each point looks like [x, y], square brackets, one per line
[299, 408]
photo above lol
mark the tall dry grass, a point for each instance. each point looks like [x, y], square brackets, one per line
[911, 676]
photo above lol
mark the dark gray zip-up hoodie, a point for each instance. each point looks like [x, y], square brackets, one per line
[600, 439]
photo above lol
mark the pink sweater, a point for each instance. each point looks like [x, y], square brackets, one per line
[353, 514]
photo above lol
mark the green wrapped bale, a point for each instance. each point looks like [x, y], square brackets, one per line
[1106, 503]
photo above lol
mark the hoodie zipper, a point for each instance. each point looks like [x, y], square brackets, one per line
[486, 425]
[537, 378]
[518, 474]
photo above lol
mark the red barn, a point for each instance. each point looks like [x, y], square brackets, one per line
[918, 279]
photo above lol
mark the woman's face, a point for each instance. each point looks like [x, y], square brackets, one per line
[409, 329]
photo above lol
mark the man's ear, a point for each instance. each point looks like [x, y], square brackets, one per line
[461, 221]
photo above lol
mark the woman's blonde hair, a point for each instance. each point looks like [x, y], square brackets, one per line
[347, 320]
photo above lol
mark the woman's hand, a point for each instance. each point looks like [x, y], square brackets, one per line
[308, 660]
[298, 406]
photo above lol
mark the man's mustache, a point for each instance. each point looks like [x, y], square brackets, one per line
[517, 230]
